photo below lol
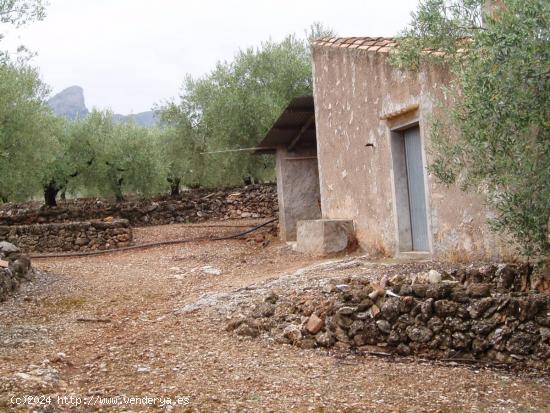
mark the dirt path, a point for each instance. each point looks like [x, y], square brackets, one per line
[139, 344]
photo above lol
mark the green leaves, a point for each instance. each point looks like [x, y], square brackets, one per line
[27, 131]
[114, 159]
[20, 12]
[235, 105]
[231, 107]
[500, 107]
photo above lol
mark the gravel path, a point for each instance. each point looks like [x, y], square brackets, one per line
[151, 324]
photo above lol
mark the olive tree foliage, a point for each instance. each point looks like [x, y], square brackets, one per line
[500, 93]
[233, 107]
[18, 13]
[116, 158]
[27, 131]
[67, 162]
[27, 128]
[181, 149]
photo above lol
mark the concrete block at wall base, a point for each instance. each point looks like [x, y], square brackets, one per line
[324, 236]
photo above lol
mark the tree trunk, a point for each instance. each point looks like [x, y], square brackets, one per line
[118, 191]
[174, 186]
[50, 194]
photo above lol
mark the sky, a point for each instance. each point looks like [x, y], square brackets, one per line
[131, 54]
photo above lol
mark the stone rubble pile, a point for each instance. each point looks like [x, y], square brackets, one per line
[15, 268]
[195, 205]
[74, 236]
[496, 313]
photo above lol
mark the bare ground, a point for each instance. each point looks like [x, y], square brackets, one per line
[155, 327]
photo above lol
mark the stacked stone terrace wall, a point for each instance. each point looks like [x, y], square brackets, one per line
[72, 236]
[196, 205]
[496, 313]
[15, 269]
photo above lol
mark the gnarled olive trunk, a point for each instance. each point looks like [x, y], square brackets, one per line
[174, 186]
[118, 190]
[51, 189]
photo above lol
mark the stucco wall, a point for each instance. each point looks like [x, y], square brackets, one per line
[297, 189]
[353, 90]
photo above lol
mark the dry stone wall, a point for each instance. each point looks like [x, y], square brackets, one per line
[73, 236]
[196, 205]
[15, 268]
[490, 313]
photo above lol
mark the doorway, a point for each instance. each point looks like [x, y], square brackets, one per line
[410, 191]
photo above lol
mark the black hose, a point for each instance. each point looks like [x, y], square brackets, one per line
[152, 244]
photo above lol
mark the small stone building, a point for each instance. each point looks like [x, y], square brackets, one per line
[372, 128]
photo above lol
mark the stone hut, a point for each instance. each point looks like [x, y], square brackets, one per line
[372, 129]
[373, 126]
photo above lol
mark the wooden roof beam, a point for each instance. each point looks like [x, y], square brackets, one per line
[302, 131]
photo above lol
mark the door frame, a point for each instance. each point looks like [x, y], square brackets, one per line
[395, 134]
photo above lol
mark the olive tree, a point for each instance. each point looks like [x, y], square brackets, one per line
[27, 128]
[500, 63]
[117, 158]
[68, 160]
[27, 131]
[181, 149]
[234, 105]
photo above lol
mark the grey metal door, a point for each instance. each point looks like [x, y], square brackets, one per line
[417, 192]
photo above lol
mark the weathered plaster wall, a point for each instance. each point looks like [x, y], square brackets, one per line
[353, 89]
[297, 189]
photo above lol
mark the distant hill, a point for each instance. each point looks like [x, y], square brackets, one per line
[144, 118]
[70, 104]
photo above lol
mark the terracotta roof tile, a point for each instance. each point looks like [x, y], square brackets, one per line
[373, 44]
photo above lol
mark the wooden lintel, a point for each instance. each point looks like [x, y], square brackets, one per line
[299, 158]
[400, 112]
[302, 131]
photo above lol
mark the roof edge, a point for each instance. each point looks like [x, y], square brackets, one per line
[371, 44]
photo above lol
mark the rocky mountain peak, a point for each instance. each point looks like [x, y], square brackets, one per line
[69, 103]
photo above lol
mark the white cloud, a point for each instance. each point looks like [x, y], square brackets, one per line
[129, 54]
